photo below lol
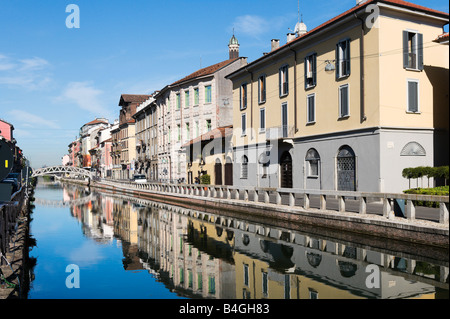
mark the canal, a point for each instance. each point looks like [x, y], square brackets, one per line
[92, 244]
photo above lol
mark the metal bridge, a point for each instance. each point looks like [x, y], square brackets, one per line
[62, 170]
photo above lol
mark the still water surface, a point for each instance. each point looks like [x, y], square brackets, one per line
[126, 248]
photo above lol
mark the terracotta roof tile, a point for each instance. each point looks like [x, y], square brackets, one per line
[130, 98]
[205, 71]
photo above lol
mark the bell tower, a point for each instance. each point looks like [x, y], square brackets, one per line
[233, 47]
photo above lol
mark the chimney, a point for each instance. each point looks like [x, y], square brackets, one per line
[275, 44]
[290, 37]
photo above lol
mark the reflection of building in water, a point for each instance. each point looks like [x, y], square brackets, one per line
[202, 255]
[308, 268]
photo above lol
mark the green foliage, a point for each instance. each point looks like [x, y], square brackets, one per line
[427, 171]
[205, 179]
[439, 191]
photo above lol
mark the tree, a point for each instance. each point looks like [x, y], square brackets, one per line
[407, 173]
[428, 172]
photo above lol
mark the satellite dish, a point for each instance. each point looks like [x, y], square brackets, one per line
[6, 160]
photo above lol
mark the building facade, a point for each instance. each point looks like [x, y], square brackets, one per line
[347, 105]
[189, 108]
[147, 139]
[87, 139]
[127, 133]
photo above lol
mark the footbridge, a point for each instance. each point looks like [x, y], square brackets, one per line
[62, 170]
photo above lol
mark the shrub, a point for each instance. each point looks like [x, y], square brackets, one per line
[205, 179]
[440, 191]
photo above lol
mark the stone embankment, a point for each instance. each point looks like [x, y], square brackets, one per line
[14, 246]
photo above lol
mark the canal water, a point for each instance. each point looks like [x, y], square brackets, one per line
[101, 245]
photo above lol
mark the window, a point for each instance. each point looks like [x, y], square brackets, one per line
[310, 70]
[196, 95]
[344, 109]
[412, 50]
[246, 275]
[283, 80]
[265, 284]
[262, 89]
[413, 96]
[312, 160]
[178, 132]
[208, 96]
[197, 129]
[244, 124]
[343, 59]
[178, 100]
[243, 96]
[262, 120]
[284, 120]
[186, 99]
[188, 131]
[311, 108]
[208, 125]
[244, 167]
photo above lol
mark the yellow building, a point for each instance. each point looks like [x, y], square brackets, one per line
[347, 105]
[210, 154]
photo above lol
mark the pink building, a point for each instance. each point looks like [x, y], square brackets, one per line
[6, 130]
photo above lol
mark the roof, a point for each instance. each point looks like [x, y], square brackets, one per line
[206, 71]
[133, 98]
[442, 38]
[398, 3]
[220, 132]
[97, 121]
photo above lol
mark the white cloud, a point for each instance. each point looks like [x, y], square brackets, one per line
[86, 97]
[31, 120]
[33, 64]
[251, 25]
[29, 73]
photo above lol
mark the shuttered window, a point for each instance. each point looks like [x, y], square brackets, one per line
[262, 89]
[283, 80]
[413, 96]
[244, 124]
[311, 71]
[243, 96]
[311, 108]
[343, 59]
[344, 108]
[412, 50]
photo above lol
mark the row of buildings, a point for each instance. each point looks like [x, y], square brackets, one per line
[344, 106]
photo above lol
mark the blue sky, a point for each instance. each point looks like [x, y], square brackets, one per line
[54, 79]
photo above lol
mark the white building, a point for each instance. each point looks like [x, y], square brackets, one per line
[191, 107]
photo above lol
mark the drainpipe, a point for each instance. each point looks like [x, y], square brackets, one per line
[295, 89]
[361, 66]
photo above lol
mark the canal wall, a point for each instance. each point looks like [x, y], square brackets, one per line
[386, 226]
[14, 245]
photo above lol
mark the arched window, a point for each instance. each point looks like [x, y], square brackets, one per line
[244, 167]
[413, 149]
[312, 160]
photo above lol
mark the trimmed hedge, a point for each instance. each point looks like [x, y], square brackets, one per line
[440, 191]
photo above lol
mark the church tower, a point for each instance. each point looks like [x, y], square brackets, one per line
[233, 47]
